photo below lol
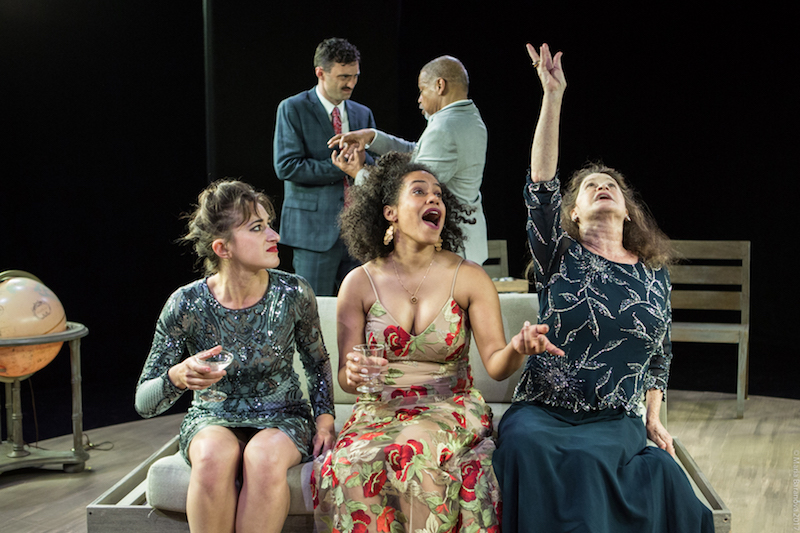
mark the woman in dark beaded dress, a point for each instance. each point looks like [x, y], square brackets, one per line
[261, 315]
[572, 453]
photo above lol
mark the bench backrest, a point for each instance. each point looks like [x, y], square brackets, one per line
[515, 309]
[712, 276]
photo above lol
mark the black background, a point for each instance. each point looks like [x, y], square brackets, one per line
[104, 144]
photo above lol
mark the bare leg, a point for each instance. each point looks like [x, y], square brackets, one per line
[264, 499]
[414, 504]
[215, 454]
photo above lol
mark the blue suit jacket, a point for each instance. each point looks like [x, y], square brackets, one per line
[312, 185]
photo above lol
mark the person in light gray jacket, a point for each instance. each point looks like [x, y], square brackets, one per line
[453, 144]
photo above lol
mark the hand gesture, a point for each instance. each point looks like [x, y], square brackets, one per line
[359, 138]
[531, 340]
[192, 374]
[549, 68]
[350, 160]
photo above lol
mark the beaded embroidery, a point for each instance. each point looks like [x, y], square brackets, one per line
[611, 319]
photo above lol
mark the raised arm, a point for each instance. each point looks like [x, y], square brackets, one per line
[544, 150]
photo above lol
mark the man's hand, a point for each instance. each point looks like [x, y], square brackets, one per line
[350, 160]
[359, 138]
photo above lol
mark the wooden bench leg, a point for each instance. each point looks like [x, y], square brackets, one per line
[742, 376]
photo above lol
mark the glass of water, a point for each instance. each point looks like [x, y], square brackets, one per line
[371, 360]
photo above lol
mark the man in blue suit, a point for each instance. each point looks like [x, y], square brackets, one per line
[314, 188]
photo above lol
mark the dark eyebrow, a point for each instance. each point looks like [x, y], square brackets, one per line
[435, 184]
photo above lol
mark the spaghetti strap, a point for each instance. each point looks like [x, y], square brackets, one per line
[371, 282]
[453, 285]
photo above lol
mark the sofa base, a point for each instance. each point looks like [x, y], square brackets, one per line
[124, 507]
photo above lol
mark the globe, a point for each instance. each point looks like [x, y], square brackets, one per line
[27, 309]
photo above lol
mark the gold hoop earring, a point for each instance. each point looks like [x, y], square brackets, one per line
[388, 236]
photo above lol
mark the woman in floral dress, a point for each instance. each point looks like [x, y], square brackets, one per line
[416, 456]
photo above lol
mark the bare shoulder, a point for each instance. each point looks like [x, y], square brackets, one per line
[473, 271]
[472, 283]
[356, 290]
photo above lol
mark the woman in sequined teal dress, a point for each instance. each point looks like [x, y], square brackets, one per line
[572, 453]
[262, 315]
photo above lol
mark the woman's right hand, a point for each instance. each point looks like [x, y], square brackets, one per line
[192, 374]
[355, 371]
[551, 74]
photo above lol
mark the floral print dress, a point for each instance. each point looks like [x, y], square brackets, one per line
[417, 456]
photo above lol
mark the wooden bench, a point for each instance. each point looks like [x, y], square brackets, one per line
[714, 277]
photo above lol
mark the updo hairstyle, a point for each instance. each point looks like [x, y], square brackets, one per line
[221, 207]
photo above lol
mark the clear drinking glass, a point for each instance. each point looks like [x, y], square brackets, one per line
[370, 359]
[216, 362]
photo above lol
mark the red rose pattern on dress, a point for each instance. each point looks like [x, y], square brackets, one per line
[420, 452]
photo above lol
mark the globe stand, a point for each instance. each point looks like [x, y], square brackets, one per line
[13, 453]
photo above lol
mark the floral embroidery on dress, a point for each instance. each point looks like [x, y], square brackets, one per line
[419, 457]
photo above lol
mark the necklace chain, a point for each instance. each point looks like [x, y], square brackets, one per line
[414, 299]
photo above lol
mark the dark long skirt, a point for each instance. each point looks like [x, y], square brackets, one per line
[590, 472]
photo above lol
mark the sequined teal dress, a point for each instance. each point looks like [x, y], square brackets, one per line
[262, 387]
[572, 453]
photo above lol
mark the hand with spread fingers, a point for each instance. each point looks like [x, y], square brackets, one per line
[531, 340]
[549, 68]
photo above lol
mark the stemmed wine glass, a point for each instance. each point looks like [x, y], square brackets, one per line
[216, 362]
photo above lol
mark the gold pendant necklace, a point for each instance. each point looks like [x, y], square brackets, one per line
[414, 299]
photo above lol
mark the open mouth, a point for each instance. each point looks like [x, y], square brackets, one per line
[603, 196]
[432, 217]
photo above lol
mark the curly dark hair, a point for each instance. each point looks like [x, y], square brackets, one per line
[641, 235]
[363, 224]
[335, 50]
[222, 206]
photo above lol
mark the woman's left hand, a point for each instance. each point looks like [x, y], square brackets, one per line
[657, 433]
[325, 436]
[531, 340]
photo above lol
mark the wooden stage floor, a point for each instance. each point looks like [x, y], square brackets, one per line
[752, 463]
